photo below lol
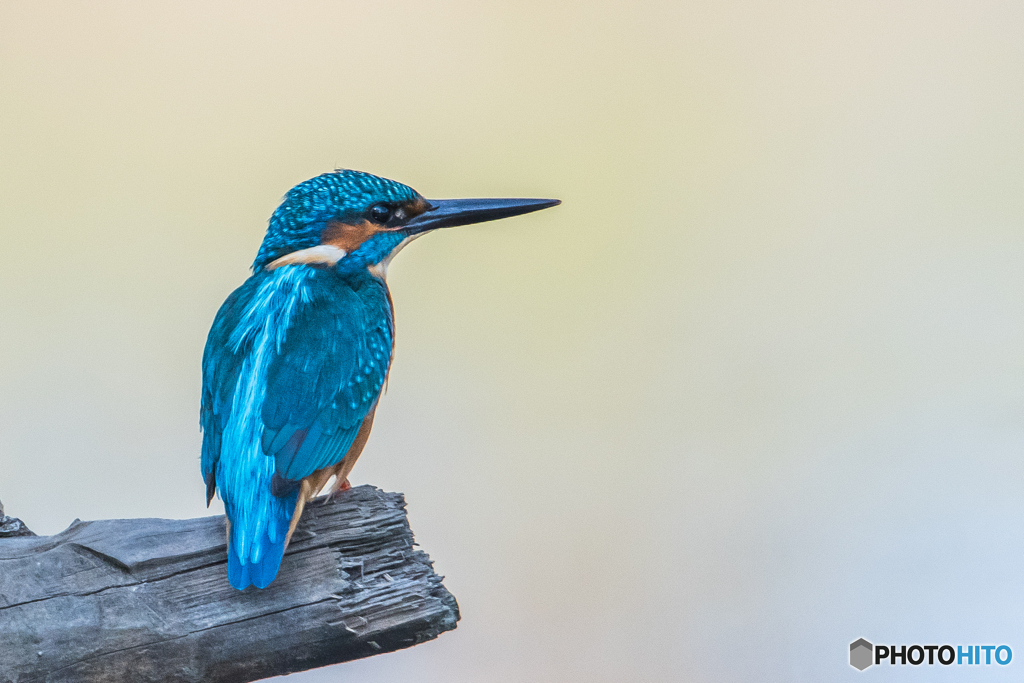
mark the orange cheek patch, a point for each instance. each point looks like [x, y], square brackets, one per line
[349, 236]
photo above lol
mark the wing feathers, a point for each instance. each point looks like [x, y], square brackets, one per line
[325, 376]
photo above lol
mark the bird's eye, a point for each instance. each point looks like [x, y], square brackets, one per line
[380, 213]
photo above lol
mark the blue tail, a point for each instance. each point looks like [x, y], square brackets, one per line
[268, 549]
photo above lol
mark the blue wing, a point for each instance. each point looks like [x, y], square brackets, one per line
[327, 375]
[222, 364]
[322, 381]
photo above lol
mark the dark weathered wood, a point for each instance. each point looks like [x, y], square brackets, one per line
[147, 600]
[11, 527]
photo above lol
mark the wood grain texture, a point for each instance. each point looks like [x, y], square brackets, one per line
[148, 600]
[11, 526]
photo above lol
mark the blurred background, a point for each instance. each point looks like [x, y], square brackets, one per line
[754, 391]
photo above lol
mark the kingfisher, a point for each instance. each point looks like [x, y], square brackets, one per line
[298, 355]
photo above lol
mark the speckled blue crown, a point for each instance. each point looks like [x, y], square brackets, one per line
[341, 195]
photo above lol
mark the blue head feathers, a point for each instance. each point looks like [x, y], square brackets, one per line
[344, 196]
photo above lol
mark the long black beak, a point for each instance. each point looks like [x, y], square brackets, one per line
[447, 213]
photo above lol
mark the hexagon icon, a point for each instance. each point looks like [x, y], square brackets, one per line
[861, 654]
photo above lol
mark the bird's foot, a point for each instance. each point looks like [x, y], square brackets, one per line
[336, 490]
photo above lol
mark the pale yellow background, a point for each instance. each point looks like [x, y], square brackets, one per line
[754, 391]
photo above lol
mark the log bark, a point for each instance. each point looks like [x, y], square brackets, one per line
[148, 600]
[11, 527]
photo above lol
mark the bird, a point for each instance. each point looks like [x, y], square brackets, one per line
[298, 355]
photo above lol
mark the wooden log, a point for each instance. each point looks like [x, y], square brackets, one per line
[11, 527]
[148, 600]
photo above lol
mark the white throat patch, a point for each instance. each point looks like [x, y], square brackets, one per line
[381, 269]
[322, 255]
